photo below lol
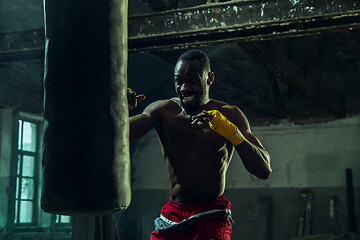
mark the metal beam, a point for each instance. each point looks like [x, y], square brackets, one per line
[22, 45]
[219, 23]
[284, 69]
[240, 21]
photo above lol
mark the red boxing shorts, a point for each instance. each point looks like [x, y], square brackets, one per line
[194, 221]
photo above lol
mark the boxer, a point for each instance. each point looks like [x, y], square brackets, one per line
[198, 136]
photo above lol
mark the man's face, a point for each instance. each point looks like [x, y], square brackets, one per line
[190, 84]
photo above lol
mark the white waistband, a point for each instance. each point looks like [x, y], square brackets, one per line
[227, 212]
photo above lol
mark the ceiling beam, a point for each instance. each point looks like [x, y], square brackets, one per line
[240, 21]
[22, 45]
[284, 69]
[217, 23]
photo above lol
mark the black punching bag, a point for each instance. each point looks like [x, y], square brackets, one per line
[86, 165]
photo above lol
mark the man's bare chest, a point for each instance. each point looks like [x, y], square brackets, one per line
[178, 132]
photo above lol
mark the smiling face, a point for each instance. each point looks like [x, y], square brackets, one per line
[192, 84]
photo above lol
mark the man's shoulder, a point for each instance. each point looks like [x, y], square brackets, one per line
[160, 106]
[222, 106]
[229, 111]
[167, 103]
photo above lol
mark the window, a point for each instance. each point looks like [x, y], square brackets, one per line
[60, 219]
[25, 213]
[26, 204]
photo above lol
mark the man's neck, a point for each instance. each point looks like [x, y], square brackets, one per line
[195, 111]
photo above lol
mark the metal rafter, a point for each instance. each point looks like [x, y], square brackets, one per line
[22, 45]
[223, 23]
[240, 21]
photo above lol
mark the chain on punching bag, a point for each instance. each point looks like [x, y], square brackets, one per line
[86, 165]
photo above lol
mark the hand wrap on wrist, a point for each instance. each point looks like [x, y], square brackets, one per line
[220, 124]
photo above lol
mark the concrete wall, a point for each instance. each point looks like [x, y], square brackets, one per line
[303, 157]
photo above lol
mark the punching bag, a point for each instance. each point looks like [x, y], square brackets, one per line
[86, 165]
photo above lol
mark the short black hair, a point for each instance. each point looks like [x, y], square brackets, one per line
[196, 54]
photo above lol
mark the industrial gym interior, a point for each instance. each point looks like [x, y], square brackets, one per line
[293, 68]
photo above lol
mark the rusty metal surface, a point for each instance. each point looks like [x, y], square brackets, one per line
[240, 21]
[209, 24]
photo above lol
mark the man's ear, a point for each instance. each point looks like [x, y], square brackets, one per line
[211, 78]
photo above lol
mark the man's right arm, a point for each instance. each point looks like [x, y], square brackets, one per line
[139, 125]
[142, 123]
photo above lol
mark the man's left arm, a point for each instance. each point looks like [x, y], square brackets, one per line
[255, 157]
[232, 124]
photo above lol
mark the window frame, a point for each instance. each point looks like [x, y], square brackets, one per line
[34, 225]
[60, 226]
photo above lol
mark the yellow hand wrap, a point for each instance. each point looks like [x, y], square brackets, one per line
[220, 124]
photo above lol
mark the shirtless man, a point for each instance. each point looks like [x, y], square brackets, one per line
[198, 136]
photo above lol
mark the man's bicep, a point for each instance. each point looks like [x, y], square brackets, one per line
[241, 121]
[237, 117]
[142, 123]
[139, 125]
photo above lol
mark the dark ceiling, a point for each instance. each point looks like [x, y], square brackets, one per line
[308, 78]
